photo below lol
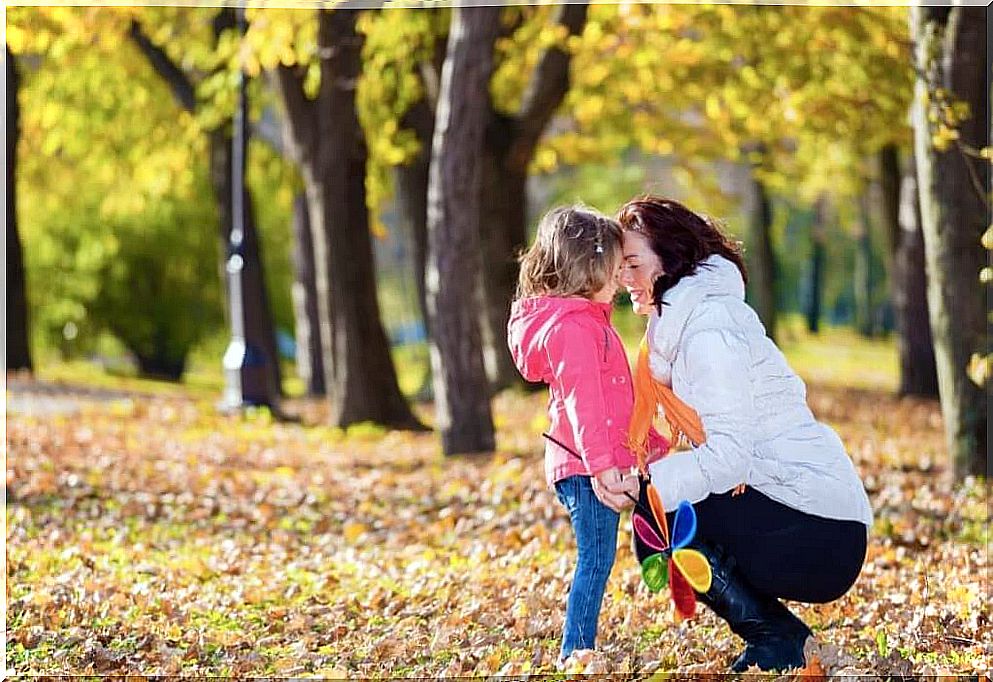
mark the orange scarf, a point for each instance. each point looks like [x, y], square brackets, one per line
[649, 395]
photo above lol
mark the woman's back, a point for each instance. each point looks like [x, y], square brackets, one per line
[795, 459]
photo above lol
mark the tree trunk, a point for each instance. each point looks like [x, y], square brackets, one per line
[309, 357]
[503, 233]
[460, 384]
[818, 233]
[908, 284]
[862, 274]
[954, 217]
[508, 147]
[762, 261]
[160, 367]
[18, 349]
[327, 140]
[412, 195]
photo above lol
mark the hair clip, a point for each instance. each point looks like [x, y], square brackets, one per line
[598, 239]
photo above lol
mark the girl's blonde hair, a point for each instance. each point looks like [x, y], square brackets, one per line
[574, 254]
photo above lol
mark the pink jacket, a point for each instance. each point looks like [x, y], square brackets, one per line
[569, 344]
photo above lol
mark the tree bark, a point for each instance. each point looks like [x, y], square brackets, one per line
[908, 283]
[818, 233]
[762, 261]
[328, 143]
[954, 216]
[18, 347]
[309, 355]
[412, 179]
[260, 331]
[460, 383]
[412, 195]
[509, 145]
[503, 233]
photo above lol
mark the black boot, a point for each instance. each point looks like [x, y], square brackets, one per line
[774, 637]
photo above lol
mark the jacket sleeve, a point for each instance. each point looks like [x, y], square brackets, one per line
[716, 366]
[575, 356]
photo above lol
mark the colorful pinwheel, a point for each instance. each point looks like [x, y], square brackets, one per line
[674, 563]
[684, 569]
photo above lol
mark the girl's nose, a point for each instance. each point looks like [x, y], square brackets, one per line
[624, 277]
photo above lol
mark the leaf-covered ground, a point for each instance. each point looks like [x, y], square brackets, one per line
[148, 535]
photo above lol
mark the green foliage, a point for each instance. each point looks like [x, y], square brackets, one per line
[117, 216]
[602, 186]
[101, 143]
[159, 293]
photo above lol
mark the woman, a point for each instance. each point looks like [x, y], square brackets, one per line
[798, 530]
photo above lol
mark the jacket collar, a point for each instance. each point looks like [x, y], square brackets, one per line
[716, 276]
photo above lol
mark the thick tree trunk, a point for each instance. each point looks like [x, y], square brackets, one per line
[327, 141]
[954, 217]
[309, 355]
[762, 260]
[509, 145]
[818, 232]
[460, 384]
[908, 283]
[862, 274]
[18, 349]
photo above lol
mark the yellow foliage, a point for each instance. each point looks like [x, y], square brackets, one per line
[352, 531]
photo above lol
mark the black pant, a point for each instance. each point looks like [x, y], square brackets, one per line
[783, 552]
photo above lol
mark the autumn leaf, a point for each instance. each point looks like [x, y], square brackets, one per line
[178, 541]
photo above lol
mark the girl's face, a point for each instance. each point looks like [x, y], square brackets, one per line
[609, 290]
[641, 268]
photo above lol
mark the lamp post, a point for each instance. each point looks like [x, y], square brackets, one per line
[245, 372]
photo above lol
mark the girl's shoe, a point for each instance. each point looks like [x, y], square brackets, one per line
[576, 662]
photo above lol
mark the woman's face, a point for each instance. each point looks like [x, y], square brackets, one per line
[641, 268]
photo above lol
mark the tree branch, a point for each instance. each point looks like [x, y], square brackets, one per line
[182, 88]
[548, 86]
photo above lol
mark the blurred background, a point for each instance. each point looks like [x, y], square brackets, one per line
[149, 145]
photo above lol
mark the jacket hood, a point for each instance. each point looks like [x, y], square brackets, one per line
[716, 276]
[530, 321]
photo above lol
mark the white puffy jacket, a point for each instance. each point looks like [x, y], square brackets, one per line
[711, 349]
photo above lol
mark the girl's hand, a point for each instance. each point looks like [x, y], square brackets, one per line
[610, 485]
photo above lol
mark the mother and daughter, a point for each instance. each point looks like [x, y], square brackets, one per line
[781, 512]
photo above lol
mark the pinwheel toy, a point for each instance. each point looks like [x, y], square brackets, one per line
[664, 562]
[669, 561]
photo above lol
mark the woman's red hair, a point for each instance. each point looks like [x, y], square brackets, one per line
[681, 238]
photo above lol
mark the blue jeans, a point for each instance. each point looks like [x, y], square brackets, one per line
[595, 526]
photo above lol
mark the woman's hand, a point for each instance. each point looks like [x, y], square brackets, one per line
[610, 485]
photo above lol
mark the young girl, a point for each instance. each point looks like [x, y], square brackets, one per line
[560, 334]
